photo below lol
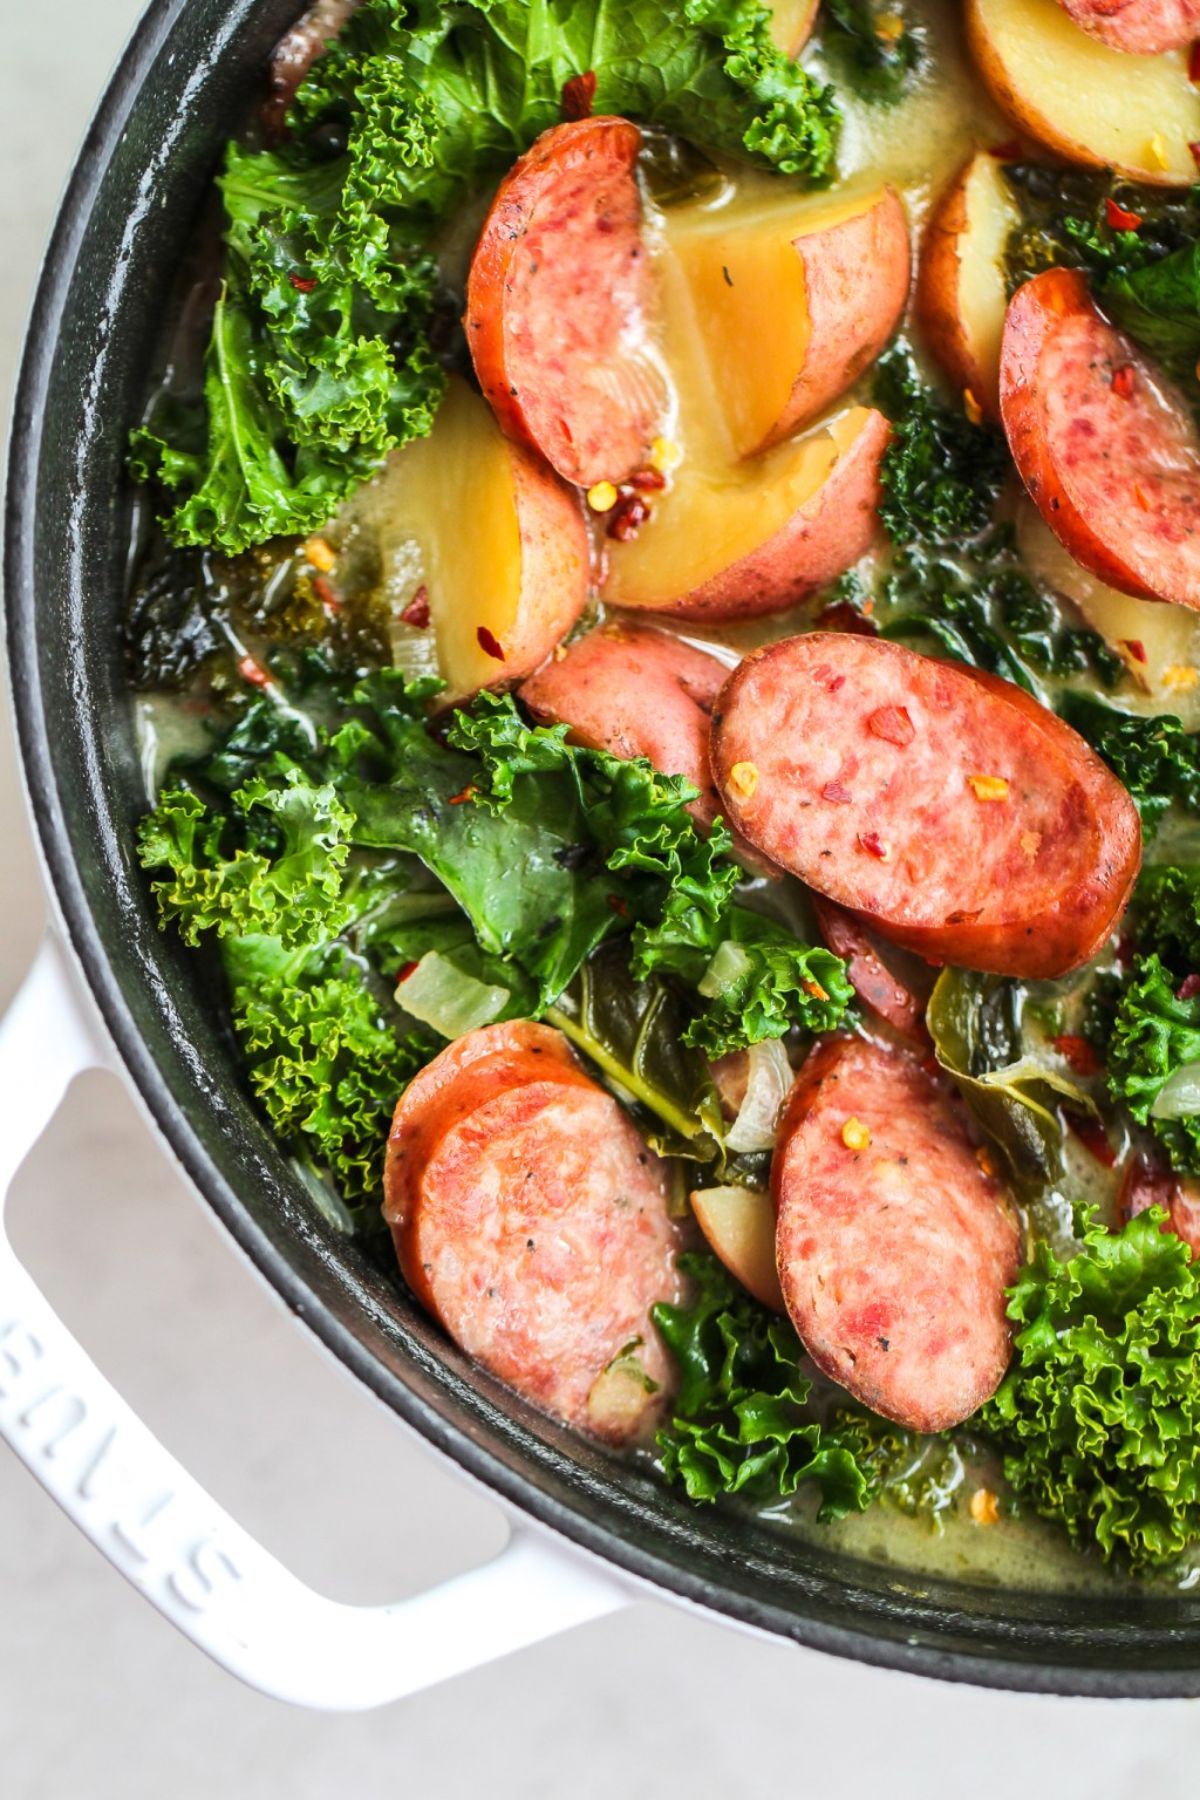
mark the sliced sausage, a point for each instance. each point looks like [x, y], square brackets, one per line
[295, 54]
[894, 1247]
[1108, 451]
[952, 813]
[1147, 1184]
[557, 303]
[1142, 27]
[532, 1220]
[875, 984]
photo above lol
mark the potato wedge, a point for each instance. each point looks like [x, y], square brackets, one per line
[792, 22]
[791, 301]
[961, 296]
[1159, 644]
[739, 1224]
[496, 541]
[755, 538]
[1087, 102]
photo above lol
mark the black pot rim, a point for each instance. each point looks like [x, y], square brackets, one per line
[1060, 1671]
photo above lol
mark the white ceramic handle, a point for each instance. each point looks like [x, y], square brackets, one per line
[158, 1526]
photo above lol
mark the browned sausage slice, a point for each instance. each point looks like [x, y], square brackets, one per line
[1147, 1184]
[636, 692]
[894, 1247]
[1142, 27]
[1108, 451]
[889, 998]
[295, 54]
[557, 302]
[531, 1219]
[954, 814]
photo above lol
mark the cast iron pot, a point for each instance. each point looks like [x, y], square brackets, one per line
[589, 1532]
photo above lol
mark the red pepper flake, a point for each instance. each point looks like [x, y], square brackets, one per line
[578, 95]
[1188, 988]
[1194, 62]
[1124, 381]
[253, 672]
[1078, 1053]
[303, 284]
[468, 793]
[1093, 1137]
[893, 725]
[618, 905]
[406, 971]
[648, 481]
[627, 518]
[326, 595]
[489, 644]
[836, 793]
[416, 613]
[1009, 151]
[1134, 649]
[874, 845]
[1120, 218]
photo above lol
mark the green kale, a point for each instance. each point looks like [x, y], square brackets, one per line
[742, 1423]
[1099, 1415]
[1166, 913]
[1156, 1036]
[323, 1057]
[324, 352]
[761, 983]
[274, 865]
[941, 474]
[874, 45]
[1156, 759]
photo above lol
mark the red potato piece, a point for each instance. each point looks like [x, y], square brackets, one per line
[1113, 470]
[557, 302]
[1141, 27]
[893, 1258]
[295, 54]
[714, 551]
[961, 295]
[531, 1219]
[874, 983]
[1146, 1184]
[992, 836]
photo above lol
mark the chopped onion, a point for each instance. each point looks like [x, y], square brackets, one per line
[1179, 1097]
[440, 995]
[725, 970]
[766, 1090]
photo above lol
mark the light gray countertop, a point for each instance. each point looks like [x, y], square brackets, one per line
[99, 1700]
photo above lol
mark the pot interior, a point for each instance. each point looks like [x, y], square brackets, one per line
[194, 66]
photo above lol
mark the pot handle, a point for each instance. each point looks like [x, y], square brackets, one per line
[157, 1525]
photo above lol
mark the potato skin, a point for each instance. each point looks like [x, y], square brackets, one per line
[1037, 124]
[555, 564]
[938, 297]
[857, 276]
[815, 546]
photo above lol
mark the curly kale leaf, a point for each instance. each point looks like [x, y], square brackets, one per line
[1099, 1416]
[1156, 1035]
[741, 1422]
[323, 1057]
[761, 983]
[274, 865]
[941, 474]
[1166, 912]
[1156, 759]
[876, 47]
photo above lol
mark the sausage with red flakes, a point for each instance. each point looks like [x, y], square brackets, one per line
[1147, 1184]
[1109, 452]
[1141, 27]
[951, 812]
[557, 301]
[532, 1220]
[894, 1247]
[879, 989]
